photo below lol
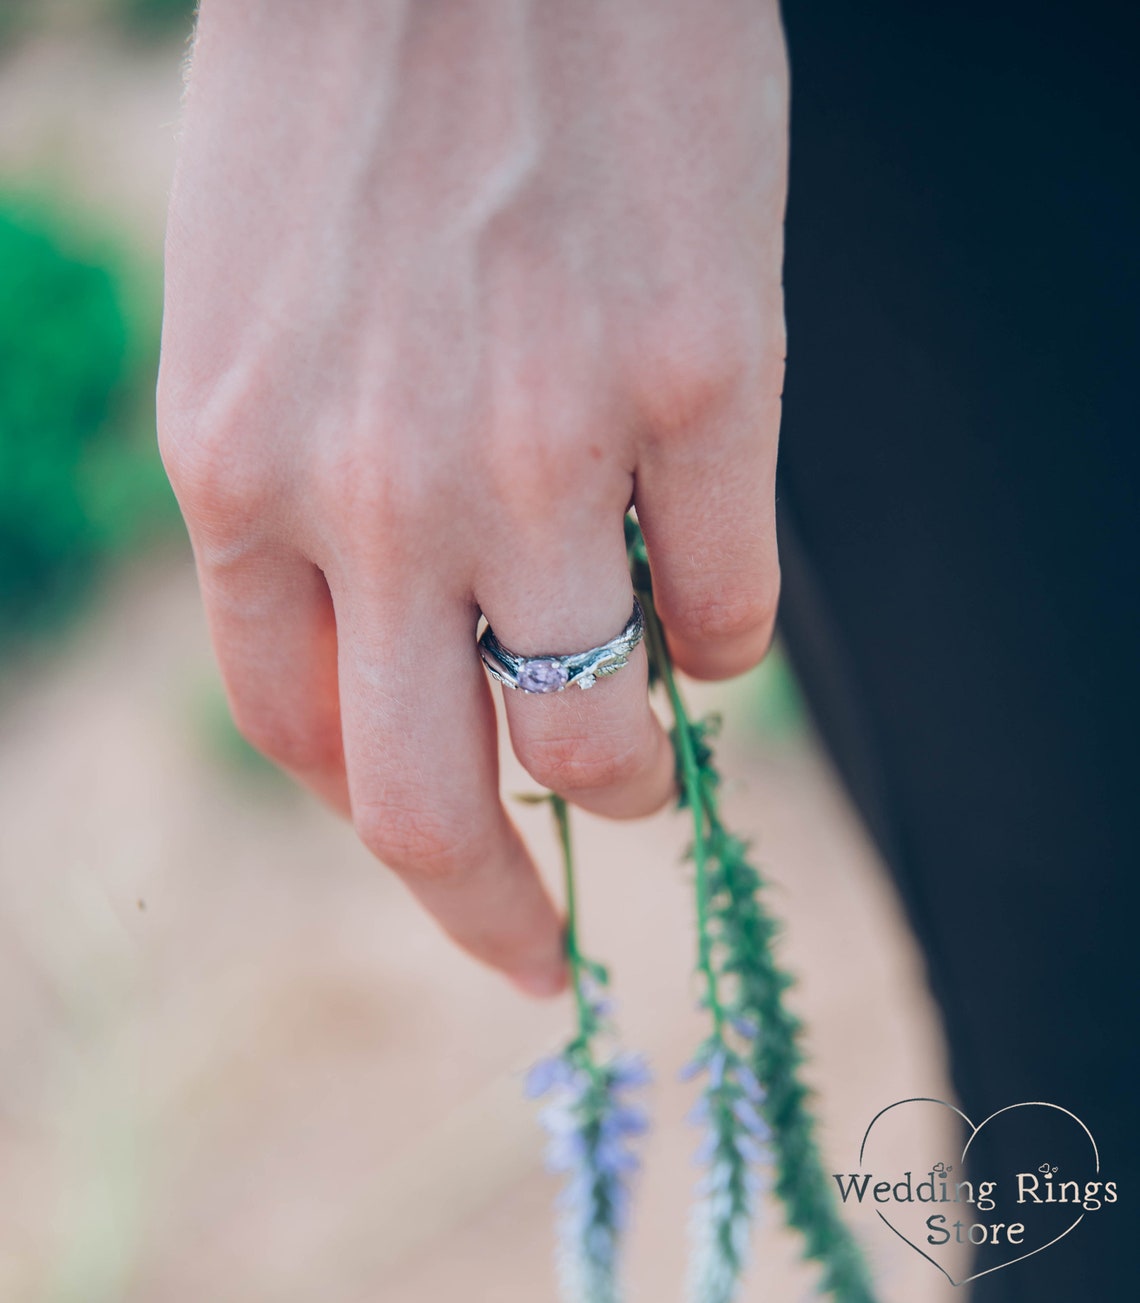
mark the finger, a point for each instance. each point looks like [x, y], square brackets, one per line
[274, 635]
[706, 505]
[602, 748]
[419, 737]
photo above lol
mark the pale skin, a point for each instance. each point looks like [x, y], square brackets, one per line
[450, 283]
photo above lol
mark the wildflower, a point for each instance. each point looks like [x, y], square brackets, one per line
[751, 1053]
[590, 1123]
[732, 1148]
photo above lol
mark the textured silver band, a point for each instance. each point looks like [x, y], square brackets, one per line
[553, 673]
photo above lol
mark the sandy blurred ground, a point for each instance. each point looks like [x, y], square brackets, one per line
[236, 1064]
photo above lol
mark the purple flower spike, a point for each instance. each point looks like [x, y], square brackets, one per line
[629, 1070]
[747, 1115]
[692, 1069]
[706, 1149]
[698, 1115]
[745, 1027]
[625, 1121]
[732, 1144]
[749, 1083]
[591, 1124]
[544, 1076]
[749, 1149]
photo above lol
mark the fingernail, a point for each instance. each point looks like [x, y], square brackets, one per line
[542, 982]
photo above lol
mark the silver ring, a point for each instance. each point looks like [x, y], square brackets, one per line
[553, 673]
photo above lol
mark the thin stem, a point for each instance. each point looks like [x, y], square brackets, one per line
[695, 795]
[573, 951]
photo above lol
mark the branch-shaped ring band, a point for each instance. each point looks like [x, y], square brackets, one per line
[551, 672]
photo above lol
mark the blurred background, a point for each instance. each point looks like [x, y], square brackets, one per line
[235, 1062]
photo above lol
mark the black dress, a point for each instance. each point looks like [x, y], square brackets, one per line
[961, 529]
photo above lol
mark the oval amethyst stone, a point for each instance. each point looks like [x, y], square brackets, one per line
[542, 675]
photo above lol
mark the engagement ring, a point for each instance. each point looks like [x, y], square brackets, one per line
[552, 673]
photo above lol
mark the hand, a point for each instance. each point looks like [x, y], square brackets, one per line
[448, 286]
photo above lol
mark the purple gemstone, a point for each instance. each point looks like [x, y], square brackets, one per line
[543, 675]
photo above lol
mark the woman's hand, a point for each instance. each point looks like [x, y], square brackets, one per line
[449, 285]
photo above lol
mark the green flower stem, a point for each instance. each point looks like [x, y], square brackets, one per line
[691, 780]
[746, 931]
[573, 950]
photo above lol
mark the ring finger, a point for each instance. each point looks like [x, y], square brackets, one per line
[602, 748]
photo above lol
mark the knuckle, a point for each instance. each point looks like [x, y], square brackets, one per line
[351, 479]
[533, 471]
[416, 841]
[216, 475]
[698, 357]
[537, 444]
[522, 485]
[379, 498]
[581, 763]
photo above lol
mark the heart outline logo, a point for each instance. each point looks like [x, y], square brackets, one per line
[974, 1130]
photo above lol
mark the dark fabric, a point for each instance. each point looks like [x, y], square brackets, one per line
[959, 514]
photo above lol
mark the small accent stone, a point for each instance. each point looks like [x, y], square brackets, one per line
[586, 681]
[543, 676]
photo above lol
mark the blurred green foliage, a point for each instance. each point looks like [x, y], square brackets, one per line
[148, 20]
[775, 706]
[80, 477]
[15, 20]
[156, 18]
